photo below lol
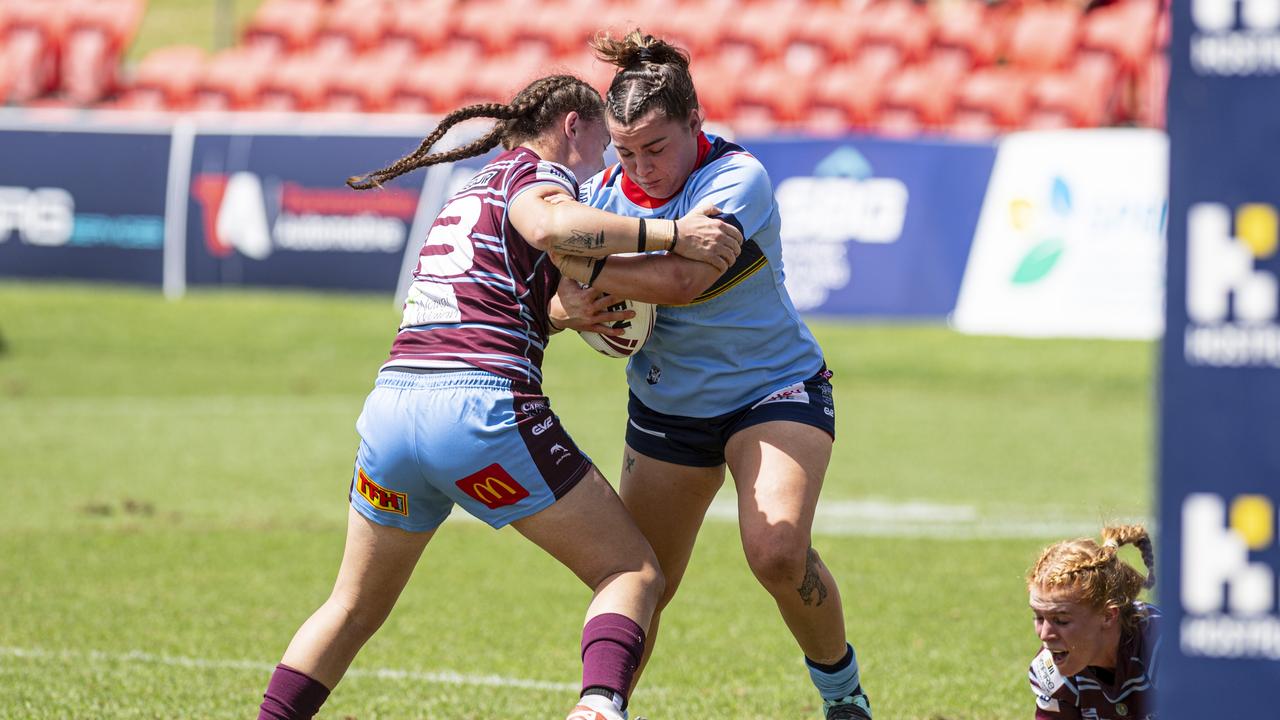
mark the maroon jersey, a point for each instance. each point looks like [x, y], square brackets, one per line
[480, 291]
[1094, 694]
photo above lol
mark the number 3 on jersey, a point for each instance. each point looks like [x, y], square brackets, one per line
[449, 251]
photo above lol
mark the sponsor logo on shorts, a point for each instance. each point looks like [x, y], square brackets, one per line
[792, 393]
[560, 453]
[544, 426]
[380, 497]
[533, 407]
[493, 487]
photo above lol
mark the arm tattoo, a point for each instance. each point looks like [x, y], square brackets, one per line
[580, 240]
[628, 463]
[812, 580]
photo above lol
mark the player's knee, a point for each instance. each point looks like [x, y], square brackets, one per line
[777, 559]
[362, 616]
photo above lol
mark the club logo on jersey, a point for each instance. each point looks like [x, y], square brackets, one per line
[1228, 593]
[792, 393]
[654, 376]
[1232, 290]
[493, 487]
[380, 497]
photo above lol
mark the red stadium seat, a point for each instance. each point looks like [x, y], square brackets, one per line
[367, 84]
[32, 42]
[299, 82]
[424, 25]
[716, 90]
[966, 28]
[784, 96]
[831, 33]
[898, 24]
[283, 26]
[98, 31]
[231, 81]
[696, 26]
[439, 80]
[488, 24]
[843, 95]
[1068, 99]
[353, 26]
[992, 99]
[916, 99]
[562, 26]
[1126, 30]
[1044, 37]
[167, 78]
[765, 27]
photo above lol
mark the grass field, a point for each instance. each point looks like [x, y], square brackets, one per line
[175, 478]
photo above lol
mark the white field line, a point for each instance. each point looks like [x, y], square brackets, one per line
[914, 520]
[919, 519]
[137, 657]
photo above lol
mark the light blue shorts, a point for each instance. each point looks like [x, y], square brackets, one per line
[435, 438]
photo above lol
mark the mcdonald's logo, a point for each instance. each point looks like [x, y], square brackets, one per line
[380, 497]
[493, 486]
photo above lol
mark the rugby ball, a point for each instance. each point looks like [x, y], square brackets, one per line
[635, 331]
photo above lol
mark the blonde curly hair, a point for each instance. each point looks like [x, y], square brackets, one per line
[1094, 573]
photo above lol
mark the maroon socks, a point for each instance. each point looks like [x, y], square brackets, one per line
[291, 696]
[612, 646]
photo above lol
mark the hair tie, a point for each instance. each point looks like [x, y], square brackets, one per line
[645, 55]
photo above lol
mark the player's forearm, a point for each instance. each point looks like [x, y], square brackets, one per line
[658, 279]
[574, 229]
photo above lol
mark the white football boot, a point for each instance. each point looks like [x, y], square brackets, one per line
[595, 707]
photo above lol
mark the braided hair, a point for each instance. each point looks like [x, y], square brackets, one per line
[1094, 573]
[534, 109]
[652, 73]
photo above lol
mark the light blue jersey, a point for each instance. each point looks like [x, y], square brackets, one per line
[741, 339]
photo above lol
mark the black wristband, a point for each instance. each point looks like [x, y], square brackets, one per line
[675, 235]
[595, 271]
[641, 239]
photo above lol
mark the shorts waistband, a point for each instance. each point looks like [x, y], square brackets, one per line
[415, 379]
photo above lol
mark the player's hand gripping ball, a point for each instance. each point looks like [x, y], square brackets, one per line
[634, 331]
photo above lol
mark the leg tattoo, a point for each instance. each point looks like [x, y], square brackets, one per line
[812, 580]
[628, 463]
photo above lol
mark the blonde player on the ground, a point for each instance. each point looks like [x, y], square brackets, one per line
[1099, 642]
[731, 376]
[457, 414]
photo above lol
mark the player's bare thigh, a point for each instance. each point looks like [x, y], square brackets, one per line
[668, 502]
[778, 469]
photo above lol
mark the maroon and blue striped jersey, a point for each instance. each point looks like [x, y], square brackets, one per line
[480, 290]
[1128, 693]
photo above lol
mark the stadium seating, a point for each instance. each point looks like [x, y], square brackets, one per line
[897, 66]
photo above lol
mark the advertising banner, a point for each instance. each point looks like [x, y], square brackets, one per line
[875, 227]
[274, 210]
[1220, 409]
[1071, 238]
[83, 205]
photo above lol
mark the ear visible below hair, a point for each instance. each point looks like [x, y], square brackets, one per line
[571, 124]
[695, 120]
[1110, 615]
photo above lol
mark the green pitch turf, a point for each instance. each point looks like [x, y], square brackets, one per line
[174, 477]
